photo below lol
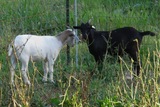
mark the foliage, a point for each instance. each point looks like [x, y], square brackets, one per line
[85, 85]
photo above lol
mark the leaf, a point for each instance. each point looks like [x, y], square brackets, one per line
[55, 102]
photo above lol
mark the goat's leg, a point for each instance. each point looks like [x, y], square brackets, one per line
[99, 61]
[51, 72]
[100, 65]
[133, 51]
[137, 67]
[24, 72]
[12, 69]
[45, 67]
[120, 53]
[136, 63]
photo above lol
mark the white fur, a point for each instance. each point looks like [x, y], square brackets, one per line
[32, 47]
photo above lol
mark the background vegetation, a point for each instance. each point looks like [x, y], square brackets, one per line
[82, 86]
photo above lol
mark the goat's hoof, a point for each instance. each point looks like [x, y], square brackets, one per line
[13, 84]
[44, 80]
[128, 76]
[52, 81]
[28, 83]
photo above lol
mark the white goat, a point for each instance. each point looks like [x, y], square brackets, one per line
[32, 47]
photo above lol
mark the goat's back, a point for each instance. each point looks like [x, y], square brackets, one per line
[36, 46]
[25, 40]
[126, 33]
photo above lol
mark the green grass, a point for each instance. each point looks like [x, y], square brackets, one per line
[77, 87]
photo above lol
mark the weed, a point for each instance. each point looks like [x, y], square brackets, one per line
[82, 86]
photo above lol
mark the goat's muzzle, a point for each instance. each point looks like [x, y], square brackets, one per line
[77, 27]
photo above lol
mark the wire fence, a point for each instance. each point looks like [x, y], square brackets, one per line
[37, 16]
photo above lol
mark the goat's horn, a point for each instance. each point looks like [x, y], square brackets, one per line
[89, 20]
[81, 21]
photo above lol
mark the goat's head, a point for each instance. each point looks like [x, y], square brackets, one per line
[71, 37]
[85, 29]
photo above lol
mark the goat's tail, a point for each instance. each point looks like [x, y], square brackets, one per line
[10, 50]
[147, 33]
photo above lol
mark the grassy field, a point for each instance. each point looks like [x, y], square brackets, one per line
[76, 87]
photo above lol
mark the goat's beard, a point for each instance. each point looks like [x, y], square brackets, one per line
[85, 37]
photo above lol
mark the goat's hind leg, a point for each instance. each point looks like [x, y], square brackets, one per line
[136, 62]
[12, 69]
[24, 71]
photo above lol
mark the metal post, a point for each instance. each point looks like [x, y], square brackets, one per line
[67, 24]
[75, 13]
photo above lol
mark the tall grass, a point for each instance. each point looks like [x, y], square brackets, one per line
[85, 85]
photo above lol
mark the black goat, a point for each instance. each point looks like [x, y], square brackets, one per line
[114, 42]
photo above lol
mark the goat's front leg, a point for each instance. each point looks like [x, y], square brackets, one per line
[51, 72]
[99, 61]
[45, 67]
[137, 67]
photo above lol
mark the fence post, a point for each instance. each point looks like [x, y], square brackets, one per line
[67, 24]
[75, 15]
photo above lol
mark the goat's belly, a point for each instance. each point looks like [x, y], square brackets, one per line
[36, 58]
[37, 55]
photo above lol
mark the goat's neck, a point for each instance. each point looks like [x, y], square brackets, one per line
[62, 37]
[90, 38]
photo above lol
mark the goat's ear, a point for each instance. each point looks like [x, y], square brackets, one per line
[76, 27]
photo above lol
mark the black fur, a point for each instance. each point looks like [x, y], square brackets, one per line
[114, 42]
